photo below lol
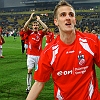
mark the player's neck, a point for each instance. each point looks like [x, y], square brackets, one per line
[68, 38]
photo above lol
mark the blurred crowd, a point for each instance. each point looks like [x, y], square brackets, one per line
[89, 20]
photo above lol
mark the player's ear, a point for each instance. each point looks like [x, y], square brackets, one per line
[56, 22]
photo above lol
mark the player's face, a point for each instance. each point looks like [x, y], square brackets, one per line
[65, 19]
[35, 26]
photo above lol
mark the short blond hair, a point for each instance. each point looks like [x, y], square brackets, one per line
[61, 3]
[35, 22]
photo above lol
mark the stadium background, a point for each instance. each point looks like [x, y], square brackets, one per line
[20, 3]
[14, 13]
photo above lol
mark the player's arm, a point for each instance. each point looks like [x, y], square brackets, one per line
[35, 90]
[3, 40]
[97, 58]
[42, 23]
[28, 21]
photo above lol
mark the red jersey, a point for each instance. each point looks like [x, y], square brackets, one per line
[2, 41]
[49, 37]
[35, 42]
[72, 67]
[24, 36]
[0, 30]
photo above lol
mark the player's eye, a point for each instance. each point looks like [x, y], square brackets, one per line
[71, 14]
[35, 25]
[63, 14]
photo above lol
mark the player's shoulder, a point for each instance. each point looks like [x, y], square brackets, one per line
[41, 32]
[52, 44]
[88, 36]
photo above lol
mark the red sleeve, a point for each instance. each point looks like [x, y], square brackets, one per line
[0, 29]
[21, 33]
[25, 36]
[52, 36]
[44, 69]
[42, 33]
[97, 54]
[96, 47]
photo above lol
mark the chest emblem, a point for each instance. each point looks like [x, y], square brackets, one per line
[81, 59]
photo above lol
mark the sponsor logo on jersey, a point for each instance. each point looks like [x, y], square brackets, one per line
[65, 72]
[37, 38]
[74, 71]
[70, 52]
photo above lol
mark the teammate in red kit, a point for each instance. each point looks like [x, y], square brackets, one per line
[34, 49]
[49, 37]
[24, 40]
[70, 58]
[2, 41]
[0, 29]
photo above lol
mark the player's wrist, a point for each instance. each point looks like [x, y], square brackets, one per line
[38, 20]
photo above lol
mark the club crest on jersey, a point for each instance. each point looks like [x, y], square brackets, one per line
[81, 59]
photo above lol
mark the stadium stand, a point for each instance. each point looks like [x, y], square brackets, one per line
[87, 15]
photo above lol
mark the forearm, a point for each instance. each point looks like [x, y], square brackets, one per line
[3, 41]
[35, 90]
[43, 24]
[26, 24]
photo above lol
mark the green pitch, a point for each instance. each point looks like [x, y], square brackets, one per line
[13, 72]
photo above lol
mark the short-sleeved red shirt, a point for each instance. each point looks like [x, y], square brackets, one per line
[49, 37]
[72, 67]
[34, 42]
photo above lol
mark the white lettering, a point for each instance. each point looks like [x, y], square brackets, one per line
[70, 72]
[59, 73]
[64, 73]
[82, 68]
[80, 72]
[77, 71]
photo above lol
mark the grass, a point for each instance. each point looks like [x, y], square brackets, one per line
[13, 72]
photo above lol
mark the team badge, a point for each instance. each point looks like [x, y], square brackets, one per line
[81, 59]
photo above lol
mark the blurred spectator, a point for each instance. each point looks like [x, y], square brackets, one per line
[2, 41]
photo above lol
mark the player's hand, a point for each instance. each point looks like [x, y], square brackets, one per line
[31, 15]
[38, 18]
